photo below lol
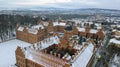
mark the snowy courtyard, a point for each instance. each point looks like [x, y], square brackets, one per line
[7, 52]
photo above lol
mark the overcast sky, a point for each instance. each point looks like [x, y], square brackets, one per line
[109, 4]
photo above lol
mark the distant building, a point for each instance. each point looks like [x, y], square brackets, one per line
[88, 32]
[38, 32]
[116, 32]
[34, 33]
[115, 39]
[114, 48]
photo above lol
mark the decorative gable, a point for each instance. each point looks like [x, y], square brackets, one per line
[19, 52]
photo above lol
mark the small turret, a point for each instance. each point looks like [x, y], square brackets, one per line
[100, 33]
[87, 29]
[75, 30]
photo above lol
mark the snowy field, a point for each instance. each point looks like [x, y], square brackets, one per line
[7, 52]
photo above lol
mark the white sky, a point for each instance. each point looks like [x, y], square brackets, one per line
[110, 4]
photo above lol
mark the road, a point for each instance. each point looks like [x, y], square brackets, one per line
[100, 51]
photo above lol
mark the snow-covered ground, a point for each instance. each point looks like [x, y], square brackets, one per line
[7, 52]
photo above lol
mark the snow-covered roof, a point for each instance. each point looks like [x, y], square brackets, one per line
[77, 47]
[45, 23]
[93, 31]
[81, 60]
[114, 30]
[59, 24]
[7, 51]
[114, 41]
[113, 25]
[97, 24]
[32, 31]
[83, 30]
[117, 36]
[38, 27]
[38, 58]
[118, 26]
[89, 22]
[20, 28]
[50, 41]
[99, 27]
[29, 53]
[84, 56]
[68, 57]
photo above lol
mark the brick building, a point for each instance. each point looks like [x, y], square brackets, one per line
[52, 50]
[30, 35]
[60, 53]
[34, 33]
[38, 32]
[92, 33]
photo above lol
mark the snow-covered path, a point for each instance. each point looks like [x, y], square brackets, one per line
[7, 52]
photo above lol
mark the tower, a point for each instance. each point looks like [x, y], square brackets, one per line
[68, 31]
[87, 28]
[50, 29]
[75, 30]
[100, 33]
[20, 57]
